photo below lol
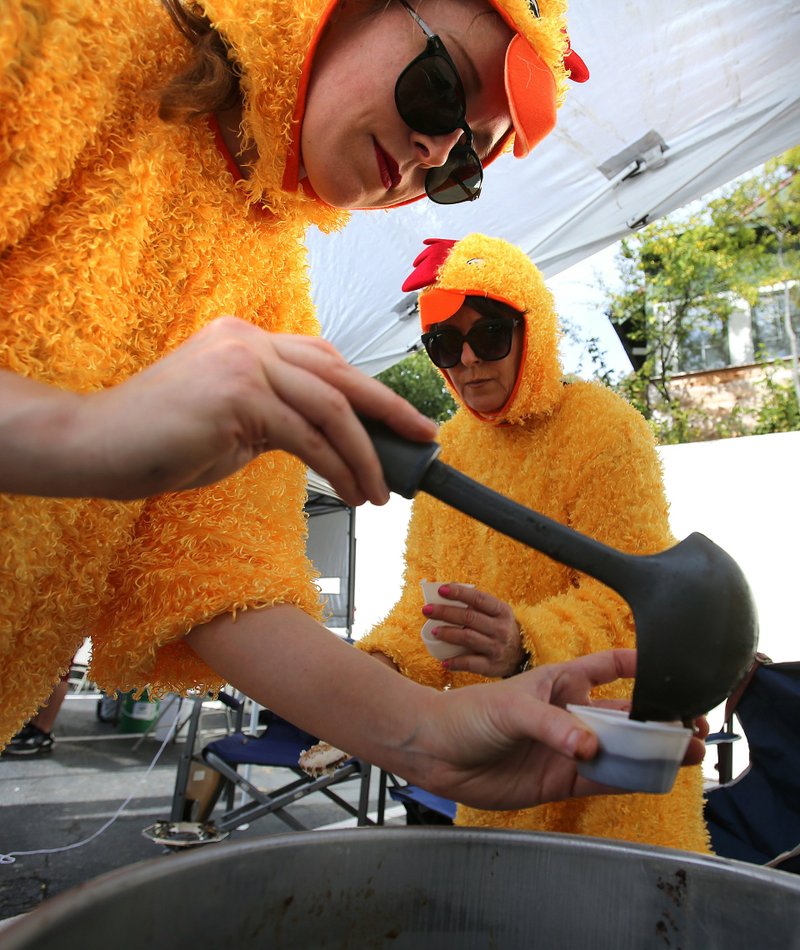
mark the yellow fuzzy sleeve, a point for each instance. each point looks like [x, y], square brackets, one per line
[239, 544]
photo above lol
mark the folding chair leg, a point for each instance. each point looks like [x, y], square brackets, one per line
[184, 762]
[725, 762]
[359, 813]
[275, 804]
[363, 796]
[244, 814]
[262, 803]
[381, 798]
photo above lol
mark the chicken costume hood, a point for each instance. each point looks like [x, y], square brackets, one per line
[579, 454]
[481, 266]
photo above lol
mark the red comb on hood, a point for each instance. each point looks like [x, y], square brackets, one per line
[578, 70]
[427, 263]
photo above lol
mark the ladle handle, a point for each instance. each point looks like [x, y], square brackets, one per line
[409, 467]
[570, 547]
[404, 462]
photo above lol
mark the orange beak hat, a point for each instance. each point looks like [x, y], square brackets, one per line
[538, 62]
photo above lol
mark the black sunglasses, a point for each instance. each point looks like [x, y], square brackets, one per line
[430, 98]
[489, 339]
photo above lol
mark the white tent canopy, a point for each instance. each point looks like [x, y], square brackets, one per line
[684, 96]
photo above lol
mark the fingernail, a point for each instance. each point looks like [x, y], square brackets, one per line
[444, 590]
[580, 744]
[446, 664]
[435, 631]
[427, 609]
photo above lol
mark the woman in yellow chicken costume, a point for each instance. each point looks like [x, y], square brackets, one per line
[574, 451]
[158, 169]
[123, 235]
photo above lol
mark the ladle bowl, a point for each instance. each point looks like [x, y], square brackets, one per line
[696, 623]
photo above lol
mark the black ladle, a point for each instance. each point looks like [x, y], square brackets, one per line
[696, 624]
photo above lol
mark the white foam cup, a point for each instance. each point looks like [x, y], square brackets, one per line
[430, 591]
[638, 756]
[438, 648]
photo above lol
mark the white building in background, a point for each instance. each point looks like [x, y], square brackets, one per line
[753, 333]
[722, 365]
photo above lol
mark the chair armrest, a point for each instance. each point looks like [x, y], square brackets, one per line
[719, 738]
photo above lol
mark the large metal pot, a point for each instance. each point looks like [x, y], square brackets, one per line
[426, 888]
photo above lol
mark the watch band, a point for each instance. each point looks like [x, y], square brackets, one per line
[525, 664]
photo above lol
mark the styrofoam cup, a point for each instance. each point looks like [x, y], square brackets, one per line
[438, 648]
[638, 756]
[430, 591]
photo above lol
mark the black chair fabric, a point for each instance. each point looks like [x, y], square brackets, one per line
[279, 745]
[424, 808]
[756, 817]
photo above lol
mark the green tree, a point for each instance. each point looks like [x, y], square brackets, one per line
[673, 308]
[779, 410]
[679, 280]
[766, 207]
[416, 379]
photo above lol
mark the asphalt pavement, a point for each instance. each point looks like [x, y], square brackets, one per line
[60, 817]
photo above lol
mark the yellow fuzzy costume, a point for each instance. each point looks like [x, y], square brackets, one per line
[121, 236]
[581, 455]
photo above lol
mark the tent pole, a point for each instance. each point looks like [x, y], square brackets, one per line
[351, 574]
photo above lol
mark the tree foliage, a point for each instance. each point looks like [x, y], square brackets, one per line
[762, 215]
[416, 379]
[680, 281]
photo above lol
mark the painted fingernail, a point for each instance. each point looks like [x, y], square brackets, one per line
[446, 664]
[435, 631]
[427, 609]
[444, 590]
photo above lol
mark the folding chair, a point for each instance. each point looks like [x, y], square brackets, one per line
[422, 807]
[756, 817]
[279, 745]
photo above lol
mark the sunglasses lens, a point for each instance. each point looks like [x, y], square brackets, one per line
[491, 341]
[429, 96]
[443, 347]
[459, 179]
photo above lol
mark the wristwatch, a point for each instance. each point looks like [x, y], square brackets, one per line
[524, 664]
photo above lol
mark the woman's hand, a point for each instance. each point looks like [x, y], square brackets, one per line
[204, 411]
[486, 627]
[511, 745]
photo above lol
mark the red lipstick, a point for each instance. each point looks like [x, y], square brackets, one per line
[388, 168]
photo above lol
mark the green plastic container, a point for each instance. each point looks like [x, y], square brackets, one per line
[137, 715]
